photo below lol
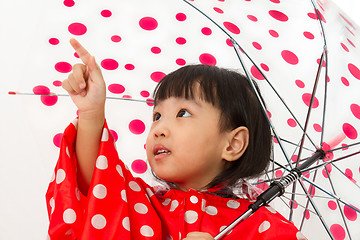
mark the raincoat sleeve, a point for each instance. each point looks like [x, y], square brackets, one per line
[116, 201]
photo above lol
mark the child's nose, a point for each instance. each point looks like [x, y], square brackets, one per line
[158, 134]
[161, 131]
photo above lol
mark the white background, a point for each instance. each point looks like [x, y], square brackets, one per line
[25, 168]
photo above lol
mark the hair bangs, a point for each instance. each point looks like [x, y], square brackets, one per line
[188, 85]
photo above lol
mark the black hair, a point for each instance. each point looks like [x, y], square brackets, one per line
[232, 93]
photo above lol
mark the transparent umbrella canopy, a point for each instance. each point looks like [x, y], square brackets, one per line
[306, 63]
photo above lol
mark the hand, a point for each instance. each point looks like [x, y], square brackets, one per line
[85, 84]
[198, 236]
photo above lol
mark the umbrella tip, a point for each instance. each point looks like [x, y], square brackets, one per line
[12, 93]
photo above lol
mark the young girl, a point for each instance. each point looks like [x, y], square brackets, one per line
[208, 134]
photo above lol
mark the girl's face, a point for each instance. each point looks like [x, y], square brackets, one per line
[185, 145]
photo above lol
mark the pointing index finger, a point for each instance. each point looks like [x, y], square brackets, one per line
[81, 51]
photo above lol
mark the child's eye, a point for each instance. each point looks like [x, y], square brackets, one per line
[183, 113]
[156, 117]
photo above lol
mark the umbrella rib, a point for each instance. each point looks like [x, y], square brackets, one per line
[333, 161]
[326, 67]
[331, 195]
[337, 168]
[197, 9]
[310, 190]
[287, 165]
[292, 143]
[319, 20]
[306, 126]
[273, 171]
[303, 217]
[279, 167]
[292, 201]
[67, 95]
[294, 189]
[260, 100]
[283, 167]
[340, 148]
[341, 213]
[275, 91]
[271, 86]
[325, 95]
[323, 55]
[315, 196]
[297, 204]
[309, 110]
[281, 198]
[130, 99]
[316, 210]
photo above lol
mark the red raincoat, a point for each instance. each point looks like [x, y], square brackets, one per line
[120, 206]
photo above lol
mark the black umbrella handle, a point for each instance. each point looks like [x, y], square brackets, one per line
[276, 189]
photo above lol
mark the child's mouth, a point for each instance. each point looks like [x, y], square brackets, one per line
[160, 151]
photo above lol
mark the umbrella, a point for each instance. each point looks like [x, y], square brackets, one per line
[281, 54]
[317, 105]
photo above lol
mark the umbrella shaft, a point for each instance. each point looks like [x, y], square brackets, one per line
[318, 154]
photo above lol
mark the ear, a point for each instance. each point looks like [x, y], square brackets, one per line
[237, 142]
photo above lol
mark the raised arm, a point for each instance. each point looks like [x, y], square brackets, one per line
[87, 89]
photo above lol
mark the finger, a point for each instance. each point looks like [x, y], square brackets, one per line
[79, 76]
[199, 235]
[81, 51]
[88, 60]
[73, 85]
[66, 85]
[194, 234]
